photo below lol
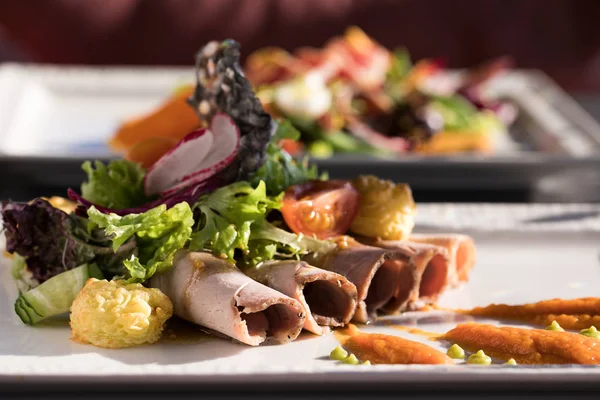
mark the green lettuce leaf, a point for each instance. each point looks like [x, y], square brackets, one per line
[399, 69]
[268, 241]
[46, 242]
[281, 170]
[401, 65]
[158, 234]
[118, 185]
[226, 216]
[457, 112]
[234, 218]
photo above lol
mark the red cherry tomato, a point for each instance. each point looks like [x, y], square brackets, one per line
[323, 209]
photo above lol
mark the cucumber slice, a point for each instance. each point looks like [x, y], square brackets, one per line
[54, 296]
[23, 278]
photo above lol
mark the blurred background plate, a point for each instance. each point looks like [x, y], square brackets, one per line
[53, 118]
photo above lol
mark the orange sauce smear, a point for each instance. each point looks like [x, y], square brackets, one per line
[526, 346]
[575, 314]
[417, 331]
[388, 349]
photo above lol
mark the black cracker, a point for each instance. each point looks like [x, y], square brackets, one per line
[222, 87]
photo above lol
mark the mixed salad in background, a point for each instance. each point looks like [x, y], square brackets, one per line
[352, 96]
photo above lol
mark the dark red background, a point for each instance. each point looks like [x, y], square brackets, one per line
[561, 37]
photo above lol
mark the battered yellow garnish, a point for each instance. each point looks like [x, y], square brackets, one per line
[116, 314]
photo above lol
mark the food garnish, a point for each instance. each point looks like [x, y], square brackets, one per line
[456, 352]
[338, 354]
[590, 332]
[157, 233]
[280, 170]
[351, 359]
[51, 241]
[235, 218]
[118, 185]
[479, 358]
[510, 362]
[574, 314]
[554, 326]
[196, 158]
[526, 346]
[322, 209]
[386, 210]
[222, 87]
[54, 296]
[388, 349]
[116, 314]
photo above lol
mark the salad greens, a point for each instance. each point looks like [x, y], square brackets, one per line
[268, 241]
[234, 218]
[399, 69]
[226, 216]
[118, 185]
[281, 170]
[54, 296]
[21, 274]
[50, 241]
[119, 232]
[459, 114]
[158, 234]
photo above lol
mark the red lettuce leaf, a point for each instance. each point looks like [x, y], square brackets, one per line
[52, 241]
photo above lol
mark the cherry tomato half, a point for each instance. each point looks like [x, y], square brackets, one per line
[320, 208]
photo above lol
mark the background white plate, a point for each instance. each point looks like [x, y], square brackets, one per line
[514, 266]
[71, 112]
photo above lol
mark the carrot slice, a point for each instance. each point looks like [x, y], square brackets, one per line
[150, 150]
[173, 119]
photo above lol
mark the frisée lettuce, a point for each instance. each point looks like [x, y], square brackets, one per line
[158, 234]
[234, 218]
[117, 185]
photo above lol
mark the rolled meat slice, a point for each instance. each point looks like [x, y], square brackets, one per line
[329, 299]
[385, 280]
[212, 292]
[461, 250]
[431, 263]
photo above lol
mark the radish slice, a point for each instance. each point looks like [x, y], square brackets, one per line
[178, 162]
[225, 146]
[190, 195]
[200, 155]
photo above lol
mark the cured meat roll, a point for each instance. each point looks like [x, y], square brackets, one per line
[385, 280]
[329, 299]
[431, 262]
[461, 250]
[214, 293]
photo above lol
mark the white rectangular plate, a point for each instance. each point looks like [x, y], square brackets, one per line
[73, 111]
[515, 265]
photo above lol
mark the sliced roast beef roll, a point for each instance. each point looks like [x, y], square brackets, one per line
[213, 293]
[431, 263]
[461, 250]
[329, 299]
[385, 280]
